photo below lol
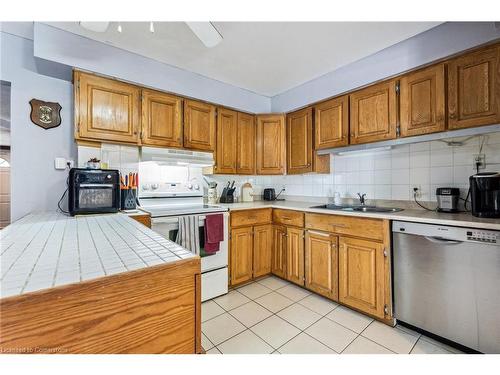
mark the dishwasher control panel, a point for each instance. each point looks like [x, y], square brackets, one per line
[482, 236]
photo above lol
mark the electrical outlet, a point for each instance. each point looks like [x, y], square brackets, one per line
[417, 190]
[479, 161]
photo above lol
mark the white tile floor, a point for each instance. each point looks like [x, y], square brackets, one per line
[274, 316]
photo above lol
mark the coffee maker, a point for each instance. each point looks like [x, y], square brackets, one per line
[485, 194]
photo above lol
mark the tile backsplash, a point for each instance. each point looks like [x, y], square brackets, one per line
[123, 158]
[390, 174]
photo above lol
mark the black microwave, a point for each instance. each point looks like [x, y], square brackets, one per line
[92, 191]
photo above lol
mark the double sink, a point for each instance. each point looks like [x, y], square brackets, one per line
[358, 208]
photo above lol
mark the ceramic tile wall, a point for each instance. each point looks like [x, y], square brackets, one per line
[123, 158]
[390, 174]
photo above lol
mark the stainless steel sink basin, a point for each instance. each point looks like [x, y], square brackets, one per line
[359, 208]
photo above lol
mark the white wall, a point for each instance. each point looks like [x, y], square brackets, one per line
[387, 174]
[73, 50]
[35, 184]
[438, 42]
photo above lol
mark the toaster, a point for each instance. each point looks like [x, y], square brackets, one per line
[269, 194]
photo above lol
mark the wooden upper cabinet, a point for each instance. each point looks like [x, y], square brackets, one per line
[246, 144]
[106, 109]
[422, 101]
[199, 126]
[227, 126]
[262, 249]
[295, 255]
[474, 89]
[161, 119]
[278, 266]
[321, 264]
[299, 141]
[331, 123]
[241, 255]
[271, 144]
[373, 113]
[361, 275]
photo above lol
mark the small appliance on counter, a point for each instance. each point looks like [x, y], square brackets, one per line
[485, 194]
[270, 194]
[93, 191]
[447, 199]
[227, 195]
[247, 192]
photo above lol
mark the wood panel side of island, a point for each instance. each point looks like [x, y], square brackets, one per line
[151, 310]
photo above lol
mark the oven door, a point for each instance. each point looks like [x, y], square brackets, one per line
[168, 227]
[96, 198]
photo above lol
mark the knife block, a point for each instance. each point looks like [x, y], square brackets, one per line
[227, 195]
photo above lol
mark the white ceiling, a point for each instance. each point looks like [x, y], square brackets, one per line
[264, 57]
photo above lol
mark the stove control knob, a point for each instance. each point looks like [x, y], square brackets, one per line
[189, 186]
[196, 187]
[145, 187]
[155, 186]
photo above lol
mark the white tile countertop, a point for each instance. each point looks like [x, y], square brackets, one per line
[463, 219]
[44, 250]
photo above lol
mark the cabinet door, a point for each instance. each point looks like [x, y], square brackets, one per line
[422, 102]
[474, 89]
[270, 144]
[262, 249]
[361, 275]
[295, 255]
[199, 126]
[321, 264]
[278, 266]
[241, 255]
[299, 141]
[161, 119]
[226, 141]
[246, 144]
[373, 113]
[331, 123]
[105, 109]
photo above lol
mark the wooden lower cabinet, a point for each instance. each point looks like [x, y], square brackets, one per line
[262, 249]
[321, 264]
[278, 265]
[251, 252]
[241, 255]
[362, 275]
[151, 310]
[295, 255]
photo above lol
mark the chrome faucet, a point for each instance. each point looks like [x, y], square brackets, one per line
[362, 198]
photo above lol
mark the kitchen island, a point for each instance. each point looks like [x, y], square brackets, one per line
[96, 284]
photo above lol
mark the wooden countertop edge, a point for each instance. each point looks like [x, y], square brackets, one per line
[194, 261]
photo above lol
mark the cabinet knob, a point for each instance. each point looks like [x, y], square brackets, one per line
[452, 116]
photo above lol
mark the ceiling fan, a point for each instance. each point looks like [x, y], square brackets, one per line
[205, 31]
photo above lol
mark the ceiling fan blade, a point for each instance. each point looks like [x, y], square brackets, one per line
[98, 27]
[206, 32]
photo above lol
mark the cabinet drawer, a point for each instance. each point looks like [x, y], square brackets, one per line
[288, 217]
[352, 226]
[250, 217]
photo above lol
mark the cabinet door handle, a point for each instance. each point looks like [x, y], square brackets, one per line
[452, 115]
[286, 218]
[339, 225]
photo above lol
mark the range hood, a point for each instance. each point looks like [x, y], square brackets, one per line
[172, 156]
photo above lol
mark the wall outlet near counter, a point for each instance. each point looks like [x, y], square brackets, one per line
[417, 191]
[63, 163]
[479, 161]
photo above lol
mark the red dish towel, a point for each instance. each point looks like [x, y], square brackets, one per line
[214, 232]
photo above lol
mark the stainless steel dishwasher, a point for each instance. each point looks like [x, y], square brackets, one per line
[447, 282]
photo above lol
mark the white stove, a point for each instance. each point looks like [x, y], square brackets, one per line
[167, 202]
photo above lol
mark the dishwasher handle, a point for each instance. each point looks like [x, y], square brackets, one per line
[442, 241]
